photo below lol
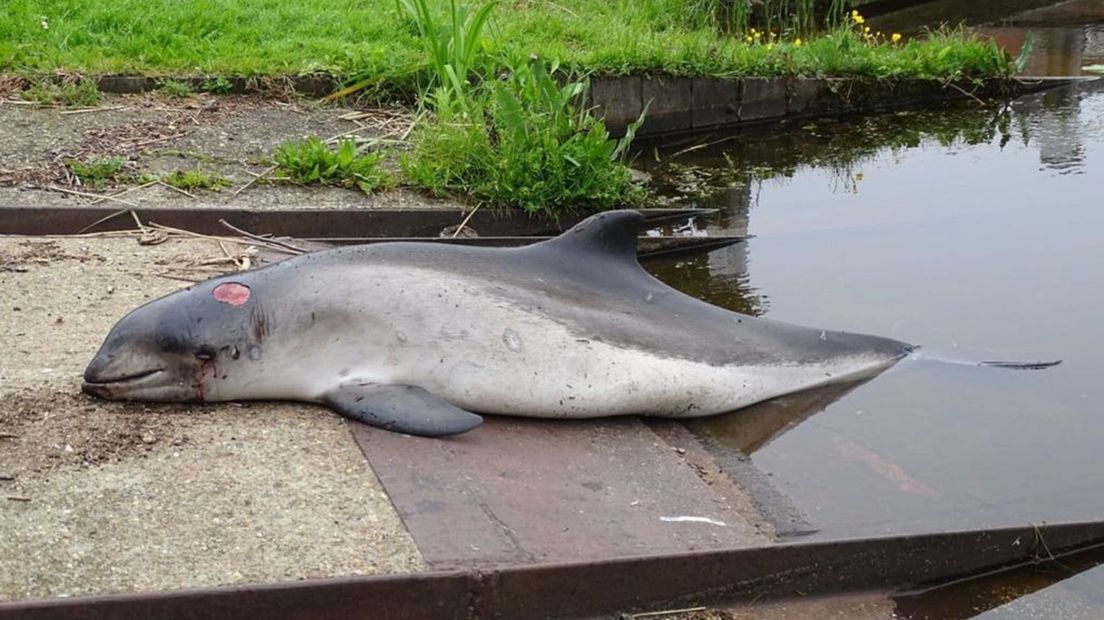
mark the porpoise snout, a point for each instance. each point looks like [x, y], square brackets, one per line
[97, 370]
[114, 373]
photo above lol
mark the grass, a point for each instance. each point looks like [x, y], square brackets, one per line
[191, 180]
[176, 89]
[523, 142]
[96, 173]
[313, 161]
[503, 130]
[70, 93]
[374, 40]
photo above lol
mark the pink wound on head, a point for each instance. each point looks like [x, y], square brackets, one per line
[232, 293]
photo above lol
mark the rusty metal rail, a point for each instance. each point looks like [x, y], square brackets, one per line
[302, 223]
[596, 589]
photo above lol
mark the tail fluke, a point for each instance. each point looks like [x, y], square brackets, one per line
[1021, 365]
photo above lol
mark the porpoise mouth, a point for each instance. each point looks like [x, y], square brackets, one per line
[103, 387]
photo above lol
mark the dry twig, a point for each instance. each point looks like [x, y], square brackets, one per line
[87, 195]
[465, 222]
[100, 109]
[177, 189]
[667, 612]
[125, 191]
[245, 233]
[256, 177]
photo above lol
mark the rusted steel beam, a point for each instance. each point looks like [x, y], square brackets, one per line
[647, 247]
[607, 587]
[303, 223]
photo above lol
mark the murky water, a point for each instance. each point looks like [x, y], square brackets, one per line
[976, 233]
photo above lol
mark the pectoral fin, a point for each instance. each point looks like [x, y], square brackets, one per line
[401, 408]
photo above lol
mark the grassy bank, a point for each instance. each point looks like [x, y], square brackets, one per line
[370, 38]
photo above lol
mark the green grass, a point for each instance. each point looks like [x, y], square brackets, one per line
[500, 129]
[369, 38]
[176, 89]
[522, 142]
[194, 179]
[313, 161]
[96, 173]
[75, 93]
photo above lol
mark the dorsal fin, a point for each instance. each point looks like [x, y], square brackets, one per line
[611, 234]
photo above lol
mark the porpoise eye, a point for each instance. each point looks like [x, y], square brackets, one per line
[205, 354]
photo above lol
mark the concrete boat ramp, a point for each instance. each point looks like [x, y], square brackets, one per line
[166, 511]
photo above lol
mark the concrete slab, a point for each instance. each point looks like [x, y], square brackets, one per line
[230, 135]
[518, 491]
[671, 104]
[100, 497]
[716, 102]
[763, 98]
[618, 99]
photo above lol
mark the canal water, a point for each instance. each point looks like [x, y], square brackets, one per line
[977, 233]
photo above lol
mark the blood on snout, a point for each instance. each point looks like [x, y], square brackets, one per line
[233, 293]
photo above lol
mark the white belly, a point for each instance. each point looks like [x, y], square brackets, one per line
[484, 353]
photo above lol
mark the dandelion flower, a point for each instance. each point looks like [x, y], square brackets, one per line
[895, 37]
[797, 42]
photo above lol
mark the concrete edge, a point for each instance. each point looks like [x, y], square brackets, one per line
[678, 104]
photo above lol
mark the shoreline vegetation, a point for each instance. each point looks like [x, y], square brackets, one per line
[500, 86]
[376, 41]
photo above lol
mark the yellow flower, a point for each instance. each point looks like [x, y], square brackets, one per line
[866, 29]
[855, 17]
[797, 42]
[895, 37]
[748, 38]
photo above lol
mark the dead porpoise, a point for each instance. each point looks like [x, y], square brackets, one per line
[413, 337]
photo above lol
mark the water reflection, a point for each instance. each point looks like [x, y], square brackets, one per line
[1056, 51]
[1068, 588]
[974, 232]
[750, 429]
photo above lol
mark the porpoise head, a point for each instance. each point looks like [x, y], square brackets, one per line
[181, 347]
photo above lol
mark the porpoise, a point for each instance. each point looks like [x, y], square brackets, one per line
[420, 337]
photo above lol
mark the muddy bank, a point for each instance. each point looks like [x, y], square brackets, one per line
[100, 497]
[232, 136]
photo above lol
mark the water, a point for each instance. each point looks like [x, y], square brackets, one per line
[978, 234]
[1056, 50]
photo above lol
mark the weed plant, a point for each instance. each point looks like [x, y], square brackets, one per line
[313, 161]
[70, 93]
[501, 130]
[96, 173]
[191, 180]
[176, 89]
